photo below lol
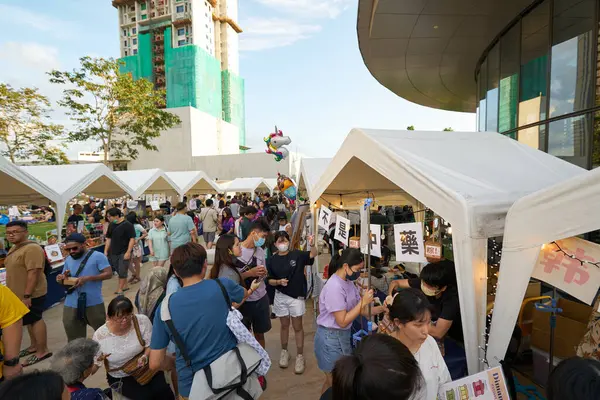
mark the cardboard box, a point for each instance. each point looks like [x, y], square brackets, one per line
[571, 325]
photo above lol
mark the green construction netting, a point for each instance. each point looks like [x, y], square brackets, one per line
[145, 55]
[233, 102]
[131, 66]
[193, 78]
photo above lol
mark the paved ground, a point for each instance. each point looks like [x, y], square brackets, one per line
[282, 384]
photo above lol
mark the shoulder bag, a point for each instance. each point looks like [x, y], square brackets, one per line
[142, 374]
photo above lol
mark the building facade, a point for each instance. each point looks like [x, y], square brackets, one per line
[190, 49]
[528, 68]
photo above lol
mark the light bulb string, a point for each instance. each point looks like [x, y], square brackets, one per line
[573, 257]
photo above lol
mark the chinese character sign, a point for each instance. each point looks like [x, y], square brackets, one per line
[567, 272]
[342, 230]
[374, 240]
[325, 217]
[433, 250]
[409, 242]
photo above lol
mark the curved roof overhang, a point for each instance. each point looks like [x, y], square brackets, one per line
[426, 51]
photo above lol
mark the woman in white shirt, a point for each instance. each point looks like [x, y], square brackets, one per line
[410, 318]
[121, 340]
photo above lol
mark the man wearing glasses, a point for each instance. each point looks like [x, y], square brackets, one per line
[84, 304]
[25, 277]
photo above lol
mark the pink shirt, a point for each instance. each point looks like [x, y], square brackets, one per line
[336, 295]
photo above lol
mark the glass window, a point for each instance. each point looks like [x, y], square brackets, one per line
[143, 6]
[509, 79]
[181, 32]
[179, 9]
[133, 31]
[482, 93]
[596, 142]
[181, 42]
[534, 136]
[567, 138]
[493, 76]
[134, 51]
[534, 68]
[134, 41]
[572, 68]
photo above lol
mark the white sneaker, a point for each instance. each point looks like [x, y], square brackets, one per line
[284, 359]
[299, 364]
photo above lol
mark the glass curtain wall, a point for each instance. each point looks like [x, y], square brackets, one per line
[537, 84]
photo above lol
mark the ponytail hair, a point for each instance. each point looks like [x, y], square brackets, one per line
[380, 368]
[350, 256]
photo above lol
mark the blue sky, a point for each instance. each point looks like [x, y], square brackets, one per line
[299, 58]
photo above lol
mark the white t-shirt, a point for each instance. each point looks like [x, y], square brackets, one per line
[433, 367]
[122, 348]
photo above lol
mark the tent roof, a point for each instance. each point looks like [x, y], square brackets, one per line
[469, 178]
[70, 180]
[311, 170]
[17, 186]
[194, 181]
[247, 185]
[147, 181]
[272, 183]
[558, 212]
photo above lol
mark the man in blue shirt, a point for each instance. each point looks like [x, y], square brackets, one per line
[84, 304]
[199, 314]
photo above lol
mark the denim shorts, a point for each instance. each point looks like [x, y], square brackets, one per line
[330, 345]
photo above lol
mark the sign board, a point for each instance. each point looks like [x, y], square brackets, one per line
[354, 242]
[485, 385]
[374, 242]
[155, 205]
[565, 264]
[325, 217]
[53, 253]
[409, 242]
[433, 250]
[342, 230]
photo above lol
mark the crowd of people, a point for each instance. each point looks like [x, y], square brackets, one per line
[154, 346]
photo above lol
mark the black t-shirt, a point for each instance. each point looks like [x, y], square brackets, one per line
[120, 234]
[290, 267]
[95, 212]
[328, 395]
[446, 306]
[74, 219]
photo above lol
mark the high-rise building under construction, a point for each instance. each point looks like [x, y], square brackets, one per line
[190, 49]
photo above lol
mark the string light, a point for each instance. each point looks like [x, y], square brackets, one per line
[571, 256]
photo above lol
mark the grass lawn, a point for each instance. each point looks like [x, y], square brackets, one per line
[39, 229]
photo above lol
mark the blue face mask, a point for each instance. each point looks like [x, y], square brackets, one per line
[354, 276]
[259, 242]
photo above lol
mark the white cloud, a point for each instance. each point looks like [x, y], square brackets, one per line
[41, 22]
[29, 55]
[312, 8]
[269, 33]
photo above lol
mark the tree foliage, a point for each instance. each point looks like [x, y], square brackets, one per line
[410, 128]
[25, 127]
[121, 113]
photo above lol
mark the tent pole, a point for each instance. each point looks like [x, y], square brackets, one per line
[368, 263]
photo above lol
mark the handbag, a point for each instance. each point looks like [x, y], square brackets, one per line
[232, 376]
[142, 374]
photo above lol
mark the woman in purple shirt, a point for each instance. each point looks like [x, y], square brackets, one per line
[340, 304]
[228, 222]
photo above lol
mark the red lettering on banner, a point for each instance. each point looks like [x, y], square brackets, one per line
[575, 271]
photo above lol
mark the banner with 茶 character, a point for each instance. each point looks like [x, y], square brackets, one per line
[571, 265]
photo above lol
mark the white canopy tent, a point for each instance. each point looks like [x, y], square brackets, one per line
[148, 181]
[272, 183]
[469, 178]
[247, 185]
[193, 181]
[67, 181]
[17, 186]
[311, 170]
[558, 212]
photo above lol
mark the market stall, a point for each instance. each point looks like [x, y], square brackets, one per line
[311, 170]
[272, 183]
[469, 179]
[147, 181]
[68, 181]
[193, 182]
[17, 186]
[247, 185]
[561, 211]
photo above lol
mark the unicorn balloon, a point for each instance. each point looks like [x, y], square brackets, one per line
[275, 142]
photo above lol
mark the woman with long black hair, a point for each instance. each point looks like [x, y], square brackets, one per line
[340, 303]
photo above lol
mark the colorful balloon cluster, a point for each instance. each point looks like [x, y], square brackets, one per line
[275, 142]
[287, 187]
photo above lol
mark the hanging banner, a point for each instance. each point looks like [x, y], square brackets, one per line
[325, 218]
[342, 230]
[433, 250]
[374, 242]
[567, 265]
[409, 242]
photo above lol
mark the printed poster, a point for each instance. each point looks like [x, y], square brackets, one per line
[485, 385]
[342, 230]
[53, 253]
[154, 204]
[579, 279]
[325, 218]
[409, 242]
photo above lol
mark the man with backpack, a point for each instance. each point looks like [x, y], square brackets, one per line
[84, 304]
[209, 218]
[25, 276]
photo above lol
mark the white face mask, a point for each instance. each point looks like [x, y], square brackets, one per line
[283, 247]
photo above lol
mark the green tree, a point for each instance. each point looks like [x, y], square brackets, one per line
[410, 128]
[448, 129]
[25, 127]
[112, 108]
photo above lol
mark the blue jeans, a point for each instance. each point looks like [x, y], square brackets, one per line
[330, 345]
